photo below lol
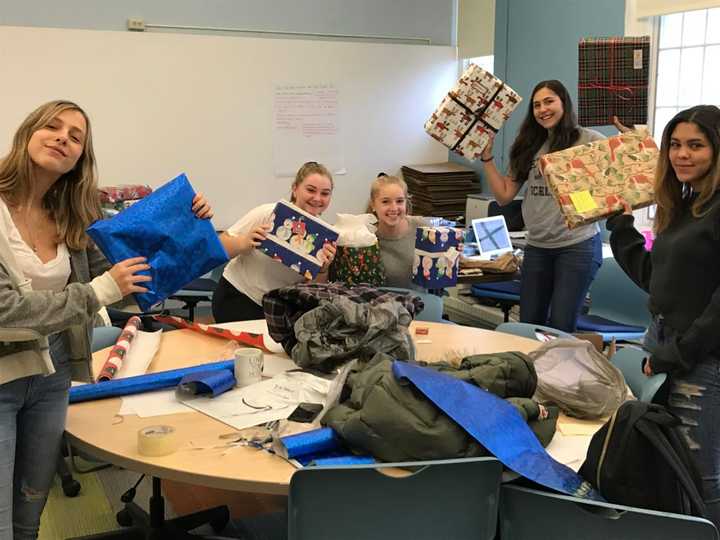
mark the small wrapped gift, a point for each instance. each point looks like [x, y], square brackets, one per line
[613, 79]
[437, 256]
[114, 199]
[358, 254]
[472, 112]
[297, 239]
[589, 180]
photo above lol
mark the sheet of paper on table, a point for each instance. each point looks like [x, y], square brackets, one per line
[259, 403]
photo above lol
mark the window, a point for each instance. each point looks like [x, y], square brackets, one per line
[485, 62]
[687, 64]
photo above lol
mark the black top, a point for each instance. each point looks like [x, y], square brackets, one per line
[682, 275]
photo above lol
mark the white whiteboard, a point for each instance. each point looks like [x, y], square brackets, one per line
[165, 103]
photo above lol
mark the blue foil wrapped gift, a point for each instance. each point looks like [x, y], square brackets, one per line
[437, 256]
[179, 246]
[297, 239]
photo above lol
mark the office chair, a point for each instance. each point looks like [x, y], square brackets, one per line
[433, 304]
[530, 330]
[504, 294]
[528, 514]
[618, 307]
[629, 361]
[198, 290]
[103, 336]
[441, 499]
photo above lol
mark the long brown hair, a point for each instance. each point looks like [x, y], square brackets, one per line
[531, 135]
[668, 189]
[73, 200]
[311, 167]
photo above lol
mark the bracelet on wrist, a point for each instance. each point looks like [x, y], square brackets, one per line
[488, 159]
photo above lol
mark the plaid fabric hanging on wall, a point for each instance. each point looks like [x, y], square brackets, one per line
[613, 79]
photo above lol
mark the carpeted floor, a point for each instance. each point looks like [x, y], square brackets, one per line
[93, 510]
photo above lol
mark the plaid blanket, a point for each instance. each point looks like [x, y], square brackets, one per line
[613, 79]
[283, 307]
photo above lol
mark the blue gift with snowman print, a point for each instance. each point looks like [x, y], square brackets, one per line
[297, 239]
[437, 256]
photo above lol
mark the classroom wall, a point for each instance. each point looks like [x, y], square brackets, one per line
[433, 19]
[537, 40]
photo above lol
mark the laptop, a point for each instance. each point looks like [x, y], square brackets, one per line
[492, 236]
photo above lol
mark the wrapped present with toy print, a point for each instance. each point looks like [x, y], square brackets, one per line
[437, 256]
[613, 80]
[473, 111]
[296, 239]
[589, 180]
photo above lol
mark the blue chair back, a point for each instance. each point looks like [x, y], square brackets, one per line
[615, 296]
[455, 499]
[629, 361]
[434, 306]
[529, 514]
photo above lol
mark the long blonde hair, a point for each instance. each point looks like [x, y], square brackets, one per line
[380, 182]
[73, 200]
[311, 167]
[668, 189]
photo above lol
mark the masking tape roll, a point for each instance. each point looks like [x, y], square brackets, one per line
[157, 441]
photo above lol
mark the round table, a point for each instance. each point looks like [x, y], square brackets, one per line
[94, 427]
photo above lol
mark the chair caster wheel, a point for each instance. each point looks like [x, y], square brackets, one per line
[71, 488]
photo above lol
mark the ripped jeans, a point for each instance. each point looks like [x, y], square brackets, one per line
[32, 421]
[695, 399]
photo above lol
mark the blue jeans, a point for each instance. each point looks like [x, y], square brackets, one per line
[555, 281]
[32, 421]
[695, 399]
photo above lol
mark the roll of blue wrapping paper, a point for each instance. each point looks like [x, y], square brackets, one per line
[141, 383]
[348, 459]
[313, 442]
[213, 382]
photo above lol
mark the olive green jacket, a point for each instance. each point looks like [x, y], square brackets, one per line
[393, 421]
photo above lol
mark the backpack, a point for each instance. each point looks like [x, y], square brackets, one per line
[579, 379]
[640, 458]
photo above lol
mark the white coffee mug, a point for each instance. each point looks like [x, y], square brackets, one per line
[248, 366]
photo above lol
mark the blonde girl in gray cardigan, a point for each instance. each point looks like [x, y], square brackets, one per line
[53, 280]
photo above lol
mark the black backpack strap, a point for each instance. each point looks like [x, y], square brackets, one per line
[654, 433]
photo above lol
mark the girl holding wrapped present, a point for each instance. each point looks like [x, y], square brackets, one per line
[250, 273]
[682, 276]
[53, 281]
[559, 264]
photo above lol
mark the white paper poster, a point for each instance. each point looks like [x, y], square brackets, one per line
[306, 127]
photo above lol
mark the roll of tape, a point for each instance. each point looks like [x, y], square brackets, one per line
[157, 441]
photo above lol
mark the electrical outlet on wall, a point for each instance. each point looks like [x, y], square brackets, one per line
[136, 24]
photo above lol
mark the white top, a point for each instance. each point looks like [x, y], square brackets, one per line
[255, 274]
[50, 276]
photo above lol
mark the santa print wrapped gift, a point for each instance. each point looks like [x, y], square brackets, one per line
[473, 111]
[437, 256]
[589, 180]
[296, 239]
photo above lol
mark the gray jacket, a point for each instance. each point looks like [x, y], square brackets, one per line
[27, 316]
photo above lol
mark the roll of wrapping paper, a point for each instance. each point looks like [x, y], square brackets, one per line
[141, 383]
[117, 354]
[246, 338]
